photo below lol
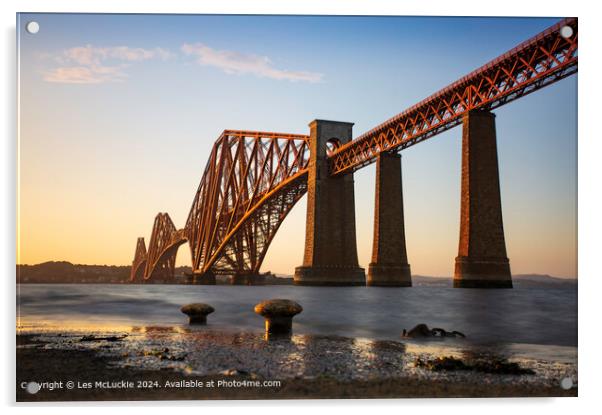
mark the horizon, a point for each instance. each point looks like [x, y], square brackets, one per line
[144, 100]
[526, 274]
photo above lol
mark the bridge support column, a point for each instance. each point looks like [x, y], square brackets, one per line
[389, 266]
[207, 278]
[330, 256]
[247, 279]
[482, 261]
[239, 279]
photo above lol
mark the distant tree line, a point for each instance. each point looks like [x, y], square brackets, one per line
[65, 272]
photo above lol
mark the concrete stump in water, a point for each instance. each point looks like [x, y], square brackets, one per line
[197, 312]
[278, 315]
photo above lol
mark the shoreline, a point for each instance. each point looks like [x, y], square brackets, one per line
[161, 361]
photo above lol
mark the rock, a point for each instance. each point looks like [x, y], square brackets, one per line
[235, 372]
[446, 363]
[494, 366]
[197, 312]
[502, 367]
[164, 354]
[437, 332]
[93, 338]
[421, 330]
[278, 314]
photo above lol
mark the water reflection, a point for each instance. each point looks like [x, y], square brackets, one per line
[487, 317]
[218, 352]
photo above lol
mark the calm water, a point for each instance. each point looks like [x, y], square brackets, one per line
[537, 316]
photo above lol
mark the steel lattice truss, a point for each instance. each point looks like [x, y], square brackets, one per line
[139, 263]
[251, 182]
[253, 179]
[160, 260]
[532, 65]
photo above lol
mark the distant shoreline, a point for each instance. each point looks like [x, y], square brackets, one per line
[63, 272]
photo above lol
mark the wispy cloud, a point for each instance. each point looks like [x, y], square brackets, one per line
[232, 62]
[92, 65]
[84, 75]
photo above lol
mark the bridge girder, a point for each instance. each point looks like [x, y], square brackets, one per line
[162, 249]
[253, 179]
[251, 182]
[139, 262]
[532, 65]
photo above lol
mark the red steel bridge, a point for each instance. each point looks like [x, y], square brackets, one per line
[253, 179]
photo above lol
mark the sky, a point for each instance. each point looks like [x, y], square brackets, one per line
[118, 114]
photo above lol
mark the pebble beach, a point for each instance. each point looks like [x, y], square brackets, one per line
[186, 362]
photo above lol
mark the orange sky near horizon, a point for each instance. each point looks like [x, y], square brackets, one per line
[107, 140]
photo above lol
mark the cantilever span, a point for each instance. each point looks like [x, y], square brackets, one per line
[250, 183]
[253, 179]
[160, 260]
[532, 65]
[139, 263]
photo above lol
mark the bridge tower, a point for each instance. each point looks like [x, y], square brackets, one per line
[330, 256]
[482, 261]
[389, 266]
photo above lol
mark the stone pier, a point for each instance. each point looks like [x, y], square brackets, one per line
[208, 278]
[389, 266]
[240, 279]
[482, 261]
[247, 279]
[330, 256]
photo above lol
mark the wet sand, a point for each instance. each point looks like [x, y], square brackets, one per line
[173, 363]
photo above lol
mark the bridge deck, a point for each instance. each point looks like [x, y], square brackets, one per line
[532, 65]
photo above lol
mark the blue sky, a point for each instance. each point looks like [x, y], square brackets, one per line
[119, 113]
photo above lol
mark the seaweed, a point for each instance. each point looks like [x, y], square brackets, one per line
[496, 366]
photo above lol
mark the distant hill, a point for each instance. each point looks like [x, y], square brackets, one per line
[62, 272]
[539, 280]
[520, 280]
